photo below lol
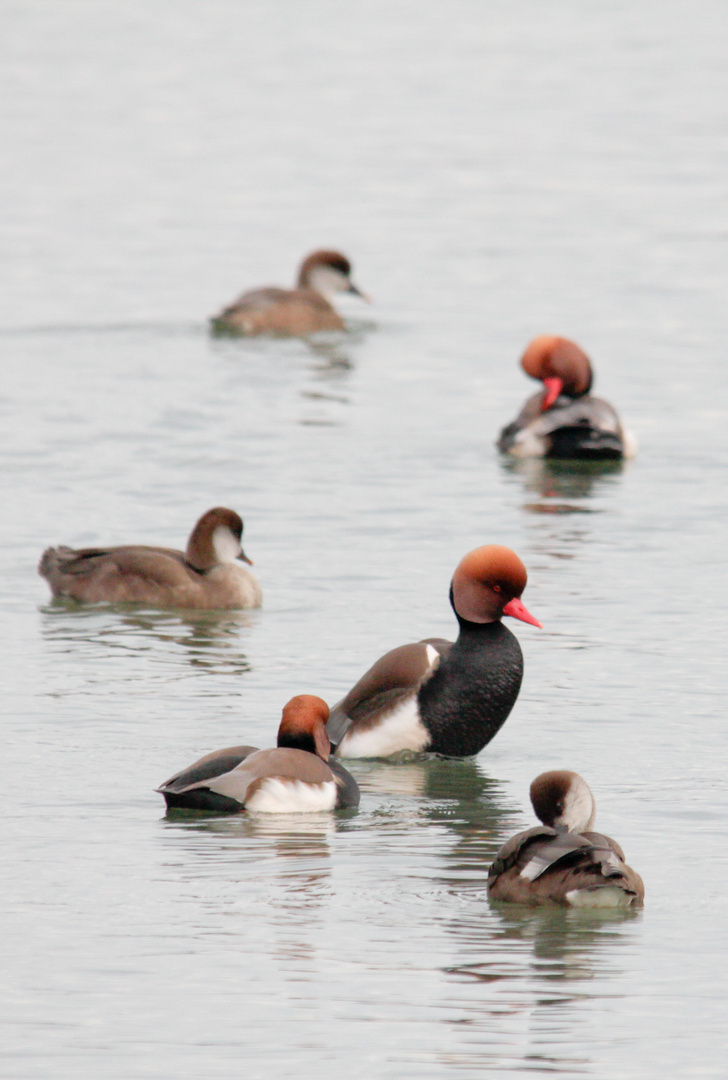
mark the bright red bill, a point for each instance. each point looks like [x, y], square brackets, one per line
[553, 387]
[518, 610]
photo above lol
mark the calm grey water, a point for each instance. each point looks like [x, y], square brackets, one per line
[495, 171]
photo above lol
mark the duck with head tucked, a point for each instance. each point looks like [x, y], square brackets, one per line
[438, 696]
[562, 861]
[306, 309]
[295, 777]
[205, 576]
[564, 420]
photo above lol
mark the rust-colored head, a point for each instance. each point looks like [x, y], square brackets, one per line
[215, 539]
[563, 800]
[561, 365]
[303, 725]
[488, 583]
[332, 259]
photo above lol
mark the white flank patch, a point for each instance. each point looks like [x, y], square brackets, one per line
[226, 545]
[629, 444]
[606, 897]
[400, 729]
[528, 444]
[280, 795]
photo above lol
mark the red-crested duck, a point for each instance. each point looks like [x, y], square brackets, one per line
[295, 777]
[563, 420]
[438, 696]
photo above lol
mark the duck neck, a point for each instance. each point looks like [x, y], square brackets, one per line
[313, 742]
[298, 740]
[475, 630]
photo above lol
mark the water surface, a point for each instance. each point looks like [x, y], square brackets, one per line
[493, 172]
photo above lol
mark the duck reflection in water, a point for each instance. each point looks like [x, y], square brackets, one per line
[454, 793]
[332, 358]
[272, 870]
[566, 944]
[564, 487]
[211, 639]
[537, 968]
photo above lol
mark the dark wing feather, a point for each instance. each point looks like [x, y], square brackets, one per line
[511, 851]
[207, 768]
[129, 559]
[400, 671]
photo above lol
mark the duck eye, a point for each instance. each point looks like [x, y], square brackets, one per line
[496, 588]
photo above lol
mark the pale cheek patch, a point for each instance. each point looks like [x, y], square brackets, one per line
[401, 729]
[327, 280]
[226, 545]
[282, 796]
[578, 813]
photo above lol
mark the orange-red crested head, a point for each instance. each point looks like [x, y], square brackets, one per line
[488, 583]
[303, 725]
[560, 364]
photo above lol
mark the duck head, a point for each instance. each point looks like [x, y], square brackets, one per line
[561, 365]
[327, 273]
[215, 539]
[487, 584]
[303, 725]
[563, 800]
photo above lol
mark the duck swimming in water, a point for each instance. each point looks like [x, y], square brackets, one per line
[564, 420]
[306, 309]
[295, 777]
[438, 696]
[563, 861]
[204, 577]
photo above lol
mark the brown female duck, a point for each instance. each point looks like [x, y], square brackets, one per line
[563, 861]
[205, 576]
[306, 309]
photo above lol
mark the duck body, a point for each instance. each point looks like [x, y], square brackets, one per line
[305, 309]
[294, 777]
[564, 420]
[437, 696]
[563, 861]
[204, 577]
[585, 428]
[190, 789]
[470, 695]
